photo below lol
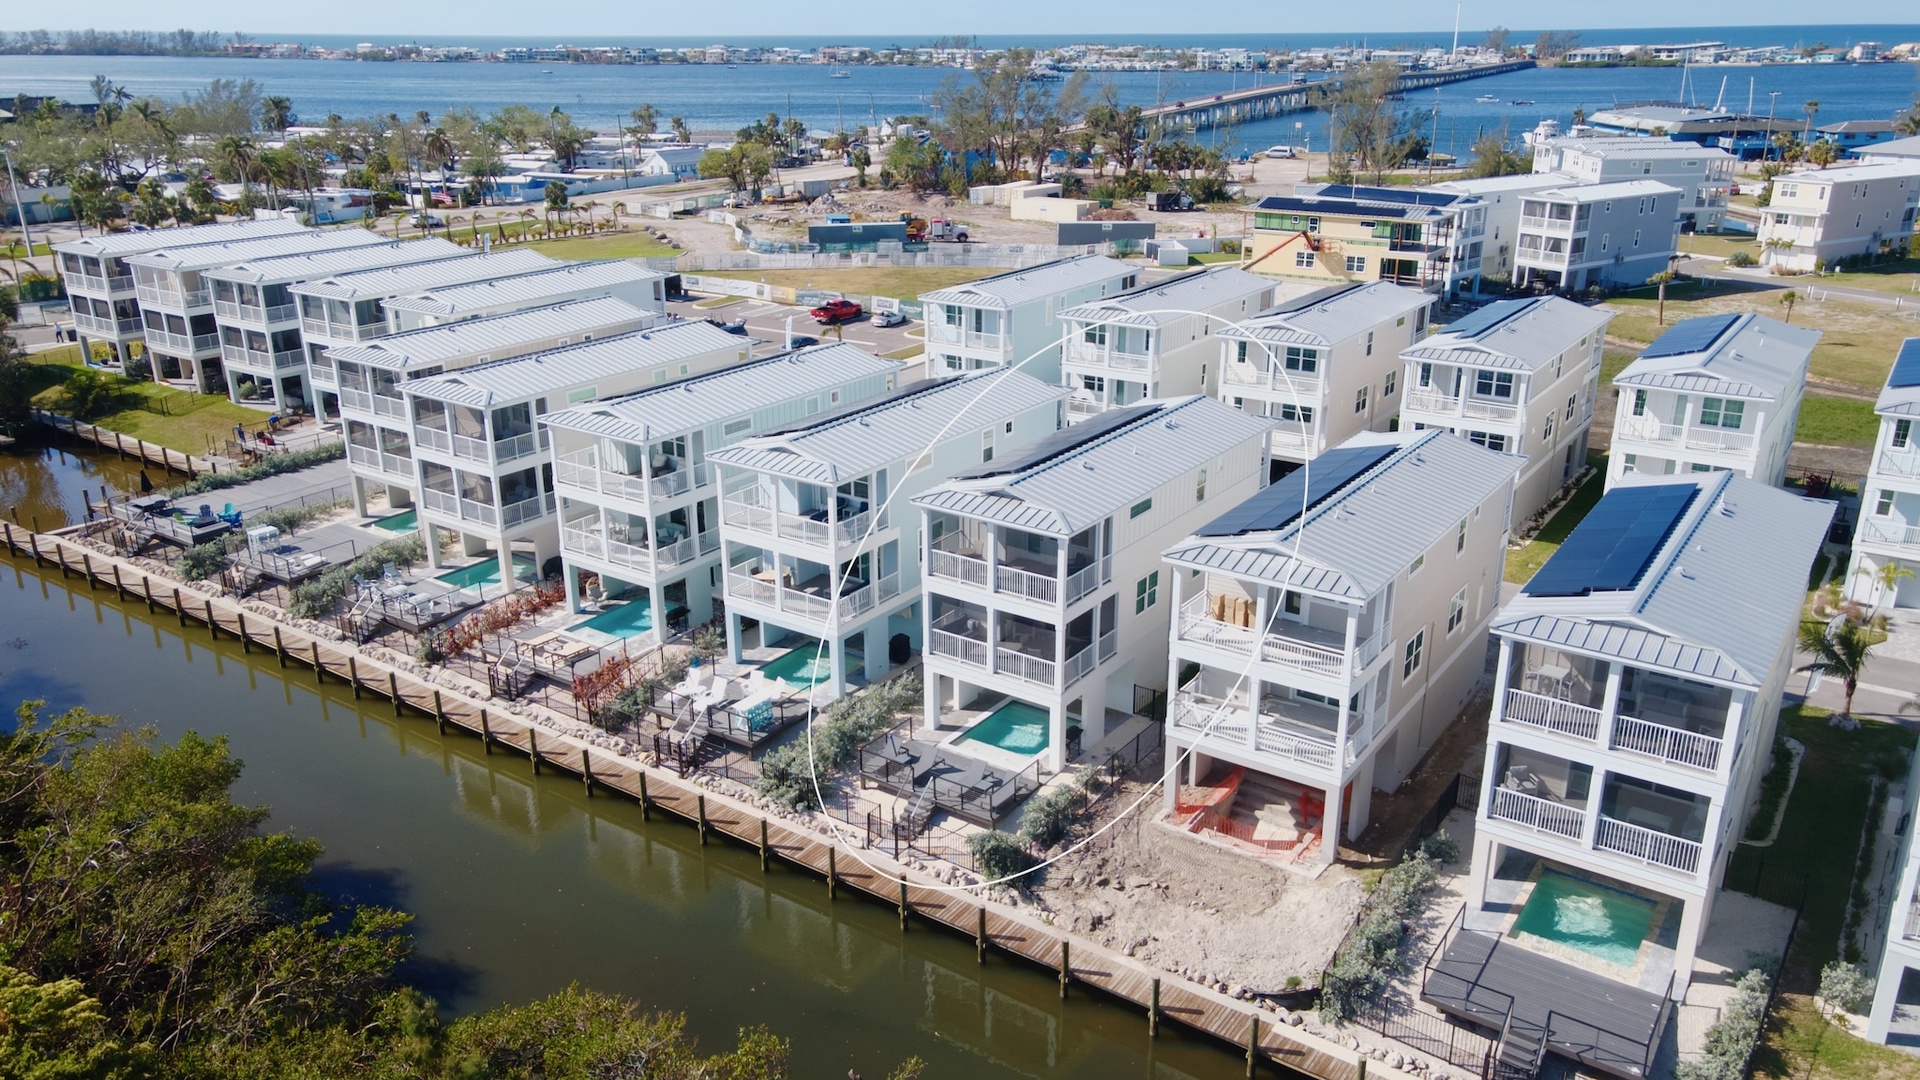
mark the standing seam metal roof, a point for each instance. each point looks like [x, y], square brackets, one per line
[320, 264]
[1902, 400]
[1760, 358]
[1086, 485]
[524, 288]
[534, 374]
[1017, 287]
[401, 280]
[1330, 315]
[435, 344]
[142, 240]
[231, 252]
[1358, 540]
[1530, 335]
[1165, 301]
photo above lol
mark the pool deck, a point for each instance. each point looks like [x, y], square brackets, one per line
[1602, 1023]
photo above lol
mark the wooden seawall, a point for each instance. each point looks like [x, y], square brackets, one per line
[715, 814]
[126, 447]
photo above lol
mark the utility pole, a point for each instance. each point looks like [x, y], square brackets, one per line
[13, 183]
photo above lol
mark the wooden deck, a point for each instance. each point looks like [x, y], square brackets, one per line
[1602, 1023]
[867, 871]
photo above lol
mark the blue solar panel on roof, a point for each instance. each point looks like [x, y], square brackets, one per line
[1064, 441]
[1612, 548]
[1487, 318]
[1906, 365]
[902, 394]
[1286, 499]
[1690, 336]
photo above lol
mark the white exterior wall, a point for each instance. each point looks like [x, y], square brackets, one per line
[1901, 951]
[1026, 334]
[1369, 359]
[1181, 359]
[1705, 179]
[1626, 241]
[1889, 528]
[646, 293]
[1667, 436]
[1823, 218]
[187, 341]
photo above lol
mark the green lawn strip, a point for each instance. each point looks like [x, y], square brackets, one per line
[903, 283]
[1837, 421]
[159, 414]
[1721, 245]
[1819, 837]
[1891, 277]
[1803, 1045]
[907, 353]
[718, 301]
[1522, 564]
[634, 245]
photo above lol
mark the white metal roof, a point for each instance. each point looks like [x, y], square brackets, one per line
[523, 289]
[1617, 189]
[1901, 400]
[386, 281]
[1532, 333]
[320, 264]
[1498, 185]
[1356, 541]
[534, 374]
[1853, 174]
[1165, 301]
[1016, 287]
[1329, 315]
[1087, 484]
[134, 241]
[1627, 146]
[1908, 147]
[862, 439]
[1721, 596]
[231, 252]
[703, 400]
[1757, 358]
[431, 345]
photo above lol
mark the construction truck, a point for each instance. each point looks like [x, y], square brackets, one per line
[939, 230]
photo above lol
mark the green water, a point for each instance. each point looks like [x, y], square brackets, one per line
[1601, 922]
[628, 620]
[522, 885]
[404, 521]
[1016, 727]
[808, 665]
[487, 572]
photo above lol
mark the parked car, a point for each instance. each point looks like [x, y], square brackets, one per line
[835, 311]
[889, 318]
[737, 326]
[801, 341]
[1280, 151]
[426, 221]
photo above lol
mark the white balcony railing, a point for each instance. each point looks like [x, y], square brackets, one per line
[1042, 587]
[1552, 714]
[749, 511]
[94, 283]
[173, 298]
[1429, 400]
[1540, 815]
[1666, 743]
[1023, 667]
[445, 502]
[1080, 408]
[1087, 354]
[1198, 625]
[1889, 531]
[857, 600]
[182, 343]
[1648, 845]
[969, 651]
[1645, 429]
[255, 358]
[956, 567]
[1900, 461]
[429, 437]
[258, 315]
[1227, 721]
[112, 327]
[940, 333]
[1305, 384]
[592, 545]
[524, 510]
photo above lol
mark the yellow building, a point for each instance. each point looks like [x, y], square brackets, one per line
[1339, 235]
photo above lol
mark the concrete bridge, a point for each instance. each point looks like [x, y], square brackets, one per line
[1262, 102]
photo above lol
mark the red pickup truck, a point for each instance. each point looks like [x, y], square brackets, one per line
[836, 311]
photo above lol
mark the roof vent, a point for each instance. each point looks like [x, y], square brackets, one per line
[1087, 465]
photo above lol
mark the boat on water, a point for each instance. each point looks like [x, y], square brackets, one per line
[1522, 101]
[1487, 99]
[841, 73]
[546, 71]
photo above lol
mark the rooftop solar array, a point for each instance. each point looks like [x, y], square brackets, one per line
[1062, 442]
[1490, 317]
[1906, 365]
[868, 405]
[1295, 494]
[1612, 548]
[1690, 336]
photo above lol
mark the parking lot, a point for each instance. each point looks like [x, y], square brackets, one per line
[768, 322]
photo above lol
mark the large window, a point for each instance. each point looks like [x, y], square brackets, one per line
[1299, 359]
[1457, 610]
[1902, 433]
[1497, 384]
[1721, 412]
[1410, 662]
[1303, 260]
[1489, 440]
[1095, 334]
[1146, 592]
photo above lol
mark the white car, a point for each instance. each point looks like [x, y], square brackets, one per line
[888, 318]
[1284, 152]
[427, 220]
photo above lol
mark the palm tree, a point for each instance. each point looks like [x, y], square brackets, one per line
[440, 149]
[1841, 654]
[1806, 133]
[1910, 123]
[238, 153]
[1661, 279]
[276, 114]
[645, 119]
[1888, 577]
[1822, 153]
[681, 132]
[1789, 298]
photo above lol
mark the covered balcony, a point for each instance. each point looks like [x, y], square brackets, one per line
[96, 275]
[1444, 391]
[1287, 629]
[260, 305]
[1011, 645]
[1551, 690]
[1672, 720]
[1016, 562]
[341, 320]
[631, 471]
[1901, 461]
[1706, 424]
[1278, 720]
[795, 510]
[264, 350]
[179, 334]
[805, 589]
[1543, 793]
[1119, 348]
[1256, 365]
[631, 541]
[1648, 823]
[977, 328]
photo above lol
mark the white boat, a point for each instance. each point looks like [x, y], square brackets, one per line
[1487, 99]
[841, 73]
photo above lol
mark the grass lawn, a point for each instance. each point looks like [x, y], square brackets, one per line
[1801, 1044]
[1612, 360]
[1896, 277]
[1522, 564]
[1857, 343]
[1213, 257]
[905, 283]
[1722, 244]
[631, 245]
[908, 353]
[17, 250]
[1837, 421]
[147, 410]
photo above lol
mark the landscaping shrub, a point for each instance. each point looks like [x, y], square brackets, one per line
[1731, 1039]
[997, 855]
[1049, 817]
[316, 599]
[1370, 957]
[88, 393]
[202, 561]
[1741, 258]
[787, 777]
[291, 461]
[1441, 848]
[138, 368]
[1846, 987]
[289, 518]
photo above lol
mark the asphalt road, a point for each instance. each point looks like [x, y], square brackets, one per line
[767, 323]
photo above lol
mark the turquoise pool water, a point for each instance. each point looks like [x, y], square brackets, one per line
[1603, 923]
[627, 620]
[1016, 727]
[482, 574]
[404, 521]
[805, 666]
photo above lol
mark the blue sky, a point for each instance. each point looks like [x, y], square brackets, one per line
[1095, 19]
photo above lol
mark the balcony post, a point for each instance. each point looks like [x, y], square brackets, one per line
[1060, 577]
[1254, 686]
[1346, 656]
[993, 561]
[1596, 798]
[571, 577]
[1610, 703]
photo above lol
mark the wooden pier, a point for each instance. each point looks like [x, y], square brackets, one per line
[1075, 962]
[128, 448]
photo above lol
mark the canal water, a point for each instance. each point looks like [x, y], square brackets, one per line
[522, 885]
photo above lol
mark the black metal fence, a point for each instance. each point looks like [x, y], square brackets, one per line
[1431, 1034]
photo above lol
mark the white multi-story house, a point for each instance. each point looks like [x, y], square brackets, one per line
[639, 502]
[1324, 366]
[1637, 689]
[1519, 376]
[1502, 196]
[1326, 631]
[1703, 174]
[1619, 233]
[260, 345]
[1713, 392]
[1043, 582]
[176, 302]
[1014, 318]
[820, 534]
[1889, 530]
[482, 465]
[1155, 340]
[364, 380]
[629, 281]
[344, 308]
[1895, 1015]
[100, 284]
[1819, 216]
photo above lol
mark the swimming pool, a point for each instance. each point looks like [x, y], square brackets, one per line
[404, 521]
[807, 665]
[482, 574]
[627, 620]
[1016, 727]
[1603, 923]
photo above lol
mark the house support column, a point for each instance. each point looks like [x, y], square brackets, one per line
[733, 636]
[571, 576]
[504, 552]
[359, 497]
[836, 661]
[1056, 735]
[1361, 811]
[432, 533]
[1330, 826]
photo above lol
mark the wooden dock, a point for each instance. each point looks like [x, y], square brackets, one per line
[128, 448]
[867, 873]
